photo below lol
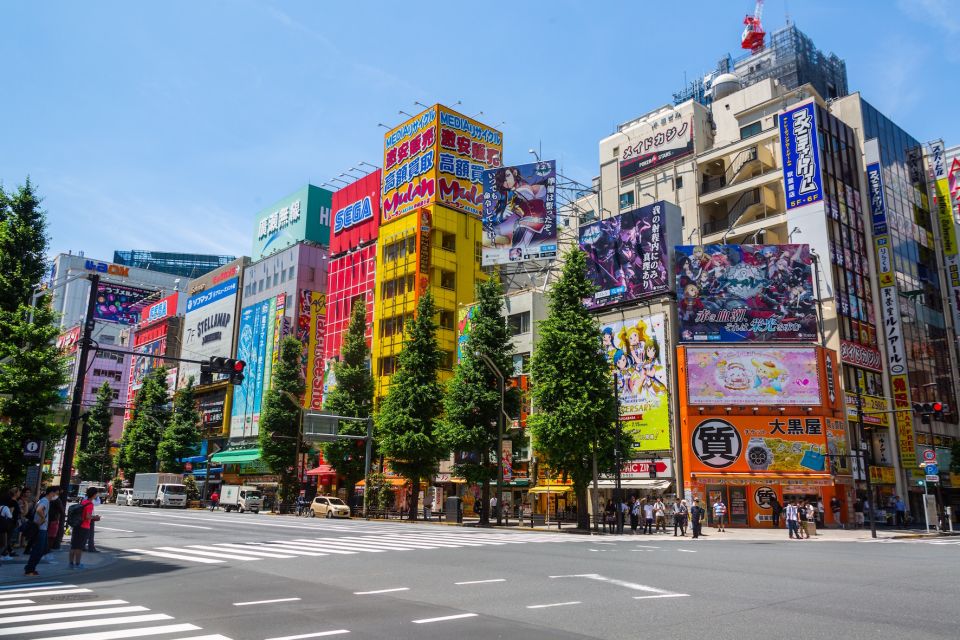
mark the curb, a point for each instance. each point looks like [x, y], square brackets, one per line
[12, 571]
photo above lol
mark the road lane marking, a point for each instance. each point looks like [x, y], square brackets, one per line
[72, 614]
[291, 549]
[40, 586]
[335, 632]
[351, 546]
[244, 548]
[29, 586]
[444, 618]
[79, 624]
[35, 594]
[294, 544]
[686, 550]
[230, 552]
[100, 527]
[553, 604]
[370, 593]
[215, 636]
[128, 633]
[210, 554]
[247, 604]
[175, 556]
[662, 595]
[623, 583]
[645, 546]
[188, 526]
[482, 581]
[65, 605]
[12, 602]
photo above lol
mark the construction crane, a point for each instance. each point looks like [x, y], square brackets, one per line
[753, 33]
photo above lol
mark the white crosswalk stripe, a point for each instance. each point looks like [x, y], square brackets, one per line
[41, 616]
[362, 541]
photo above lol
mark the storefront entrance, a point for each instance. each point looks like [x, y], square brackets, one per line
[735, 497]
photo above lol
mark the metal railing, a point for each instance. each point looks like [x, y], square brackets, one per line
[741, 160]
[747, 199]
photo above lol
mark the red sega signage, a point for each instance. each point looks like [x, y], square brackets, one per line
[356, 214]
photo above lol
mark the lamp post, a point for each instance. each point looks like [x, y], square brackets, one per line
[500, 428]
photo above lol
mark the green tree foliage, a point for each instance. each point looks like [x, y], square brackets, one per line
[190, 485]
[472, 400]
[280, 417]
[352, 396]
[378, 494]
[407, 422]
[181, 438]
[33, 370]
[576, 408]
[141, 436]
[955, 457]
[94, 462]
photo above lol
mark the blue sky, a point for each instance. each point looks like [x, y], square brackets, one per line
[168, 125]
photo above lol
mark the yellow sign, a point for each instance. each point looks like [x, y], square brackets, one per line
[467, 149]
[876, 410]
[904, 418]
[884, 260]
[882, 475]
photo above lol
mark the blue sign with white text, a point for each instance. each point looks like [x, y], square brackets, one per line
[802, 178]
[878, 209]
[209, 296]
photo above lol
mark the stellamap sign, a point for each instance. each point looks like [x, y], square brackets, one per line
[353, 214]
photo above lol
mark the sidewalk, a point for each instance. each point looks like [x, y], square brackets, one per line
[12, 570]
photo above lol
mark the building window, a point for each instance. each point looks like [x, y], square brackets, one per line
[283, 276]
[521, 363]
[448, 280]
[477, 251]
[446, 360]
[260, 287]
[387, 365]
[276, 279]
[518, 323]
[626, 200]
[678, 183]
[448, 241]
[447, 320]
[291, 271]
[751, 129]
[616, 152]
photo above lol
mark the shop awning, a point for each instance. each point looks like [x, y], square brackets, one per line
[551, 488]
[634, 483]
[819, 480]
[322, 470]
[395, 482]
[236, 456]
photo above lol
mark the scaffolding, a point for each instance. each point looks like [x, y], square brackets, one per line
[186, 265]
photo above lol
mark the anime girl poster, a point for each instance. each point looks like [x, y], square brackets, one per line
[519, 213]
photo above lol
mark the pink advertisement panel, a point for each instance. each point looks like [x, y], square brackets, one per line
[758, 376]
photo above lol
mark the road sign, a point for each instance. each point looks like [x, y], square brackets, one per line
[932, 470]
[931, 478]
[929, 455]
[32, 449]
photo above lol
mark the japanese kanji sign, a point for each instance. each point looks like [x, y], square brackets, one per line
[657, 142]
[801, 156]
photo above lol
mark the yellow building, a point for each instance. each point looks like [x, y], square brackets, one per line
[430, 232]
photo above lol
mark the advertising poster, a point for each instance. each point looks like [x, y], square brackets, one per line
[464, 320]
[760, 376]
[68, 341]
[208, 327]
[146, 361]
[800, 148]
[519, 213]
[467, 148]
[120, 303]
[311, 327]
[635, 349]
[627, 255]
[745, 293]
[656, 144]
[945, 216]
[251, 348]
[744, 444]
[409, 165]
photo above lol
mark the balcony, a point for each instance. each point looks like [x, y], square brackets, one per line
[754, 204]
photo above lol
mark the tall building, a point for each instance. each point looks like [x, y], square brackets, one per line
[186, 265]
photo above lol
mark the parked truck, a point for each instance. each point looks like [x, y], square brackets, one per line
[160, 490]
[240, 497]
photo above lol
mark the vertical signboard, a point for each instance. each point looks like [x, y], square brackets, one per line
[409, 165]
[251, 348]
[311, 327]
[947, 222]
[801, 156]
[423, 244]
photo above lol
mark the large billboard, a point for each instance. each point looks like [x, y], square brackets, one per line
[635, 349]
[803, 183]
[437, 156]
[304, 215]
[254, 335]
[120, 303]
[160, 310]
[311, 329]
[658, 142]
[745, 293]
[519, 213]
[628, 255]
[356, 213]
[208, 326]
[757, 376]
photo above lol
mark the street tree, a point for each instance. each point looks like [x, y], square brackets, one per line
[141, 436]
[23, 245]
[407, 421]
[94, 462]
[573, 427]
[181, 438]
[472, 399]
[280, 417]
[352, 396]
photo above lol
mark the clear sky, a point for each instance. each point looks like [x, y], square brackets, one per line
[168, 125]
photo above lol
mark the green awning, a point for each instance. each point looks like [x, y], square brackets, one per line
[237, 456]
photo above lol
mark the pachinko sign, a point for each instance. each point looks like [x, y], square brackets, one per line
[520, 213]
[767, 376]
[635, 349]
[745, 293]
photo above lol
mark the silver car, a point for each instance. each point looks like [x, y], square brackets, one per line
[125, 498]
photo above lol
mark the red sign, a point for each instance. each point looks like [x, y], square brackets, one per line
[67, 342]
[356, 214]
[164, 308]
[860, 355]
[641, 468]
[225, 275]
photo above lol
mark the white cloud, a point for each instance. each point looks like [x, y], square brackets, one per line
[938, 14]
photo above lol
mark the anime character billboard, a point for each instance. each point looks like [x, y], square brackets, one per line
[628, 254]
[745, 293]
[635, 350]
[520, 213]
[763, 376]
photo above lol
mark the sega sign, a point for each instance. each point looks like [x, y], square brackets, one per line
[352, 214]
[107, 267]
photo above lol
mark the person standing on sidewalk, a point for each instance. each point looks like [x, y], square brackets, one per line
[802, 516]
[660, 511]
[679, 517]
[901, 510]
[215, 500]
[719, 513]
[858, 519]
[53, 530]
[634, 514]
[91, 547]
[79, 517]
[648, 517]
[835, 511]
[793, 520]
[41, 518]
[696, 517]
[775, 510]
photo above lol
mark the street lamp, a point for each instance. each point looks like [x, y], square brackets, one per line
[501, 422]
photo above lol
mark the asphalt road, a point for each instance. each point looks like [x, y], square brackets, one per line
[187, 574]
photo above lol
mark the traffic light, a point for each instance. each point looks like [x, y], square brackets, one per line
[229, 367]
[236, 376]
[927, 410]
[937, 410]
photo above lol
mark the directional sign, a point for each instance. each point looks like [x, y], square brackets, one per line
[929, 455]
[933, 478]
[932, 470]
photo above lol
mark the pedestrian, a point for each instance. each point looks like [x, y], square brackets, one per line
[493, 507]
[679, 517]
[821, 513]
[9, 505]
[901, 510]
[648, 512]
[39, 523]
[53, 530]
[776, 509]
[811, 518]
[835, 511]
[793, 520]
[696, 517]
[91, 547]
[802, 515]
[858, 519]
[719, 513]
[609, 517]
[79, 517]
[634, 514]
[215, 500]
[24, 503]
[660, 512]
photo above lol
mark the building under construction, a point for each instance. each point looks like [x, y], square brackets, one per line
[187, 265]
[790, 58]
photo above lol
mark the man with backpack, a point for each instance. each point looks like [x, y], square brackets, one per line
[35, 529]
[79, 518]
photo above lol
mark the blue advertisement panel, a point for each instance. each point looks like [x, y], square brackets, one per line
[878, 209]
[801, 156]
[745, 293]
[520, 213]
[251, 348]
[209, 296]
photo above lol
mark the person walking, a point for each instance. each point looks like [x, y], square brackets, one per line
[660, 512]
[792, 514]
[858, 518]
[835, 511]
[9, 505]
[609, 517]
[79, 517]
[776, 509]
[634, 514]
[648, 513]
[25, 503]
[215, 500]
[901, 510]
[38, 532]
[696, 517]
[493, 507]
[91, 547]
[679, 517]
[719, 513]
[802, 515]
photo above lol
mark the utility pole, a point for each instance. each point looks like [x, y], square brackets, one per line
[70, 446]
[616, 458]
[366, 462]
[863, 455]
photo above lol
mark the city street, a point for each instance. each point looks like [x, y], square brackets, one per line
[190, 574]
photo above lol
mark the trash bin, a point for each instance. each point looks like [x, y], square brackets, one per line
[452, 510]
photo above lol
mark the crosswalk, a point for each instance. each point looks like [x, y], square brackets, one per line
[224, 552]
[934, 541]
[38, 611]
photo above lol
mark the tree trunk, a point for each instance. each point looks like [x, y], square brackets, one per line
[414, 496]
[583, 516]
[485, 496]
